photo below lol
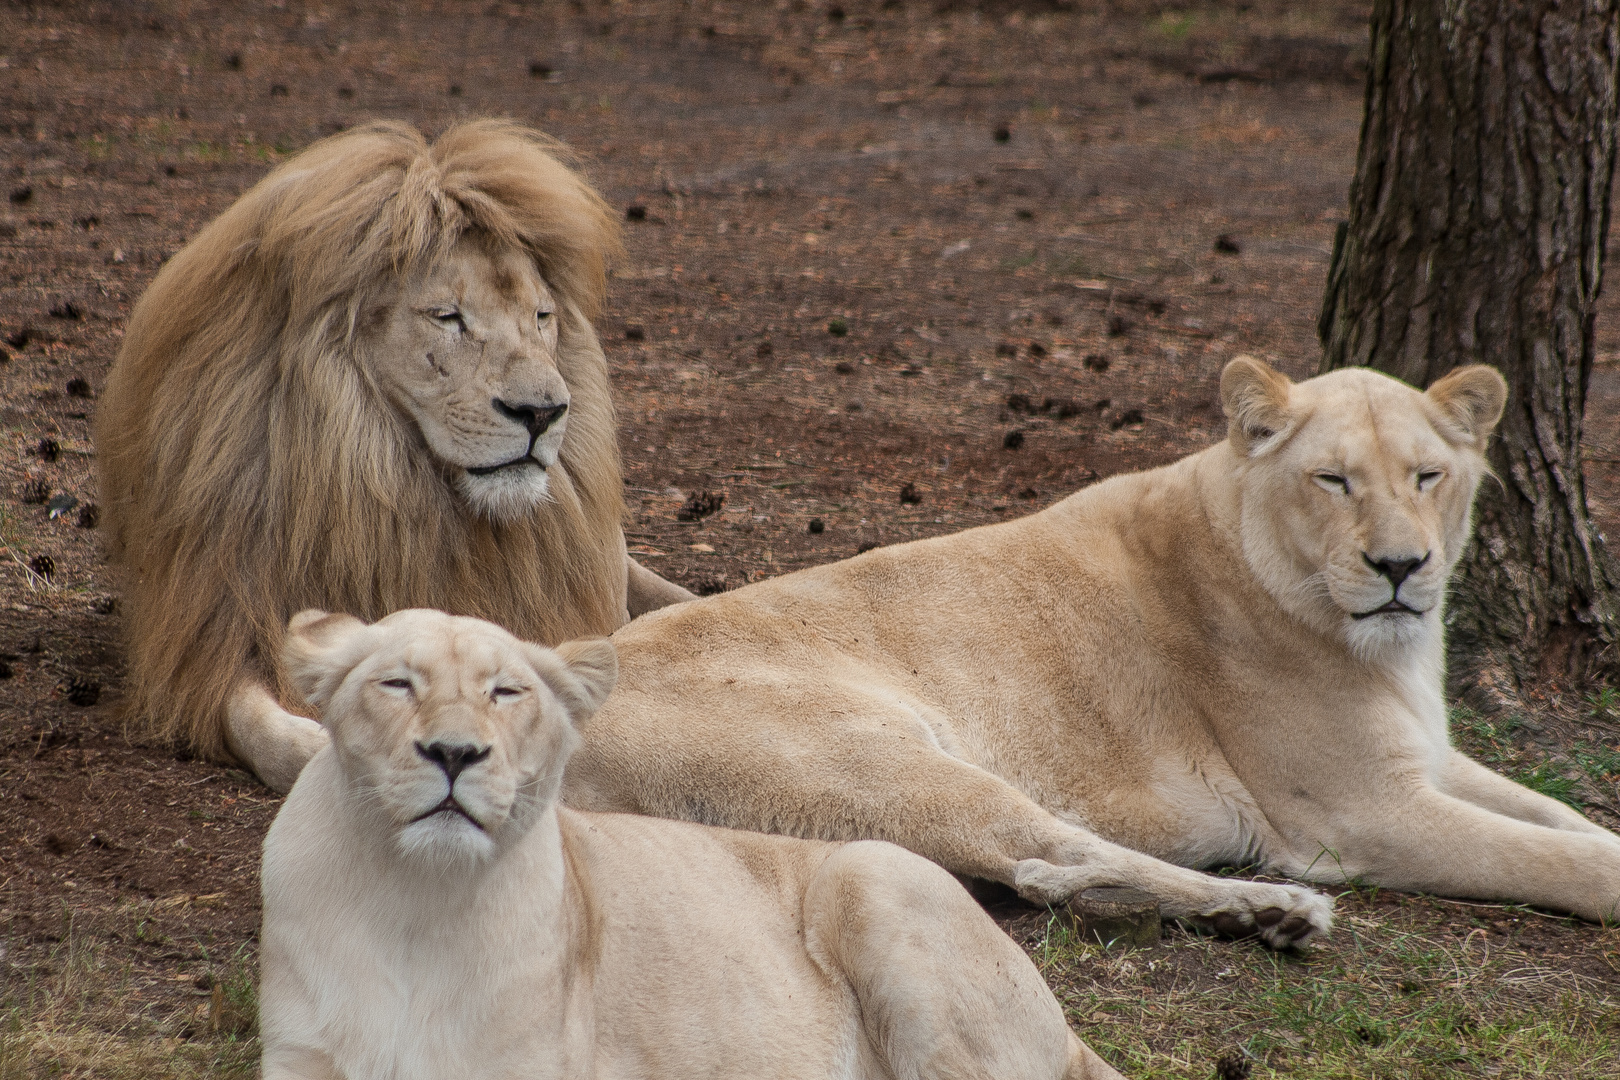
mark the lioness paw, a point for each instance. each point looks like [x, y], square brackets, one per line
[1280, 915]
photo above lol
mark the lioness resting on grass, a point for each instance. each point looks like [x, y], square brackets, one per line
[431, 912]
[1234, 659]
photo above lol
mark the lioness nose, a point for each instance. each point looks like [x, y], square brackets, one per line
[452, 758]
[537, 418]
[1397, 570]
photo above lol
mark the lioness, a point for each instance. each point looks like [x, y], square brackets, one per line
[430, 911]
[1234, 659]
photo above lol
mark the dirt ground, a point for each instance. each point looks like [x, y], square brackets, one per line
[893, 268]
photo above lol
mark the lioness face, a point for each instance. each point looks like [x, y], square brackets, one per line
[1357, 492]
[469, 352]
[450, 732]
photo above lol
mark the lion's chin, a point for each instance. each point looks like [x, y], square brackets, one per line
[1386, 635]
[447, 840]
[505, 496]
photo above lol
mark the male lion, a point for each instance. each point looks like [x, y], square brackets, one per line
[1234, 659]
[370, 384]
[430, 911]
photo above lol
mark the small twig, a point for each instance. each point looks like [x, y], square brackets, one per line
[31, 574]
[1515, 908]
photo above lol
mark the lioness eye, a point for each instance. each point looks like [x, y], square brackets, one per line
[505, 692]
[1327, 479]
[1426, 479]
[396, 684]
[541, 316]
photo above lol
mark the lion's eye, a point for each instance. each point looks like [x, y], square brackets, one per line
[541, 317]
[1428, 478]
[449, 318]
[1333, 480]
[396, 684]
[505, 692]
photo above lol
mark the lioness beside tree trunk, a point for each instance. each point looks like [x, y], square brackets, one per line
[1478, 216]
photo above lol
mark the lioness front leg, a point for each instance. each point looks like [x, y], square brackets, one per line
[1428, 841]
[1472, 782]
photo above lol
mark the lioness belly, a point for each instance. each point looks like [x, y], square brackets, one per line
[1194, 814]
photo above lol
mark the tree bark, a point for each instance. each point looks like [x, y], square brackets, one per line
[1479, 211]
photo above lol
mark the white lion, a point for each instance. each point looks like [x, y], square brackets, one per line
[431, 912]
[1234, 659]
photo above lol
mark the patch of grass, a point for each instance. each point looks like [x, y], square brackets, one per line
[1379, 999]
[1561, 776]
[1601, 763]
[1549, 780]
[1605, 704]
[1071, 266]
[79, 1013]
[160, 139]
[1175, 25]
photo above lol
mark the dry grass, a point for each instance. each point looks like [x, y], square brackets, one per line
[1407, 987]
[86, 1008]
[1402, 989]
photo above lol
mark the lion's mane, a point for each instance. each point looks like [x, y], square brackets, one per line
[250, 468]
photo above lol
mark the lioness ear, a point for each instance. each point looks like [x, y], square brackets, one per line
[591, 667]
[1472, 399]
[1254, 397]
[314, 654]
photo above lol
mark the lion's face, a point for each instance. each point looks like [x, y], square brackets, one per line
[1356, 493]
[469, 352]
[450, 732]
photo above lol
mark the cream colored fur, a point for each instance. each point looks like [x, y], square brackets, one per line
[426, 918]
[370, 384]
[1181, 668]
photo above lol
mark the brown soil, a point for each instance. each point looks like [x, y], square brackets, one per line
[899, 268]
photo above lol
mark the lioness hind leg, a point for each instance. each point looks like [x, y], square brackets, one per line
[864, 770]
[942, 991]
[1084, 1064]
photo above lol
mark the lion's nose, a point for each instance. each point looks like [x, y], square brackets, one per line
[1396, 570]
[537, 418]
[452, 758]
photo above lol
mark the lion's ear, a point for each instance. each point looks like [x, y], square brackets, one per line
[1472, 399]
[591, 667]
[1254, 396]
[316, 655]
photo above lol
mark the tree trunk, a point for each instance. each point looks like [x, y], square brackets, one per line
[1478, 216]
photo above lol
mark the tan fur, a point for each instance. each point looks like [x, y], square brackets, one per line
[1184, 666]
[427, 919]
[251, 465]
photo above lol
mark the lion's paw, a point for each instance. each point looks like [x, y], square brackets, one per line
[1280, 915]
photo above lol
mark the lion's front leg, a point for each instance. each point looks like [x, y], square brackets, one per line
[1429, 841]
[272, 742]
[645, 591]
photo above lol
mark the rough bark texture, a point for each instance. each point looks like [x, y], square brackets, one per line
[1478, 217]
